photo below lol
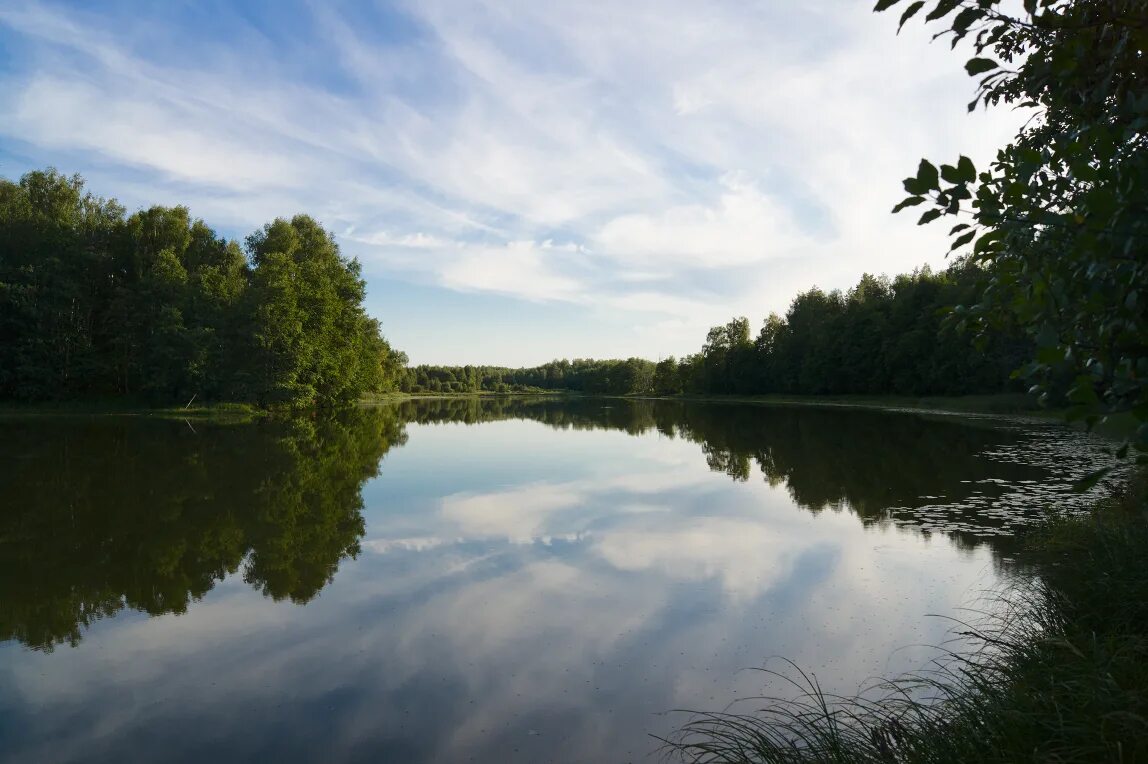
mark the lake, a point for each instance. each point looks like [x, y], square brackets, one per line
[489, 580]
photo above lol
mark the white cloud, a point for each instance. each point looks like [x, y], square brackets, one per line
[761, 144]
[742, 226]
[142, 132]
[521, 268]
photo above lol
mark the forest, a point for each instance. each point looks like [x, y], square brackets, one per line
[155, 306]
[883, 336]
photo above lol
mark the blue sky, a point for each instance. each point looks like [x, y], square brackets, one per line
[521, 180]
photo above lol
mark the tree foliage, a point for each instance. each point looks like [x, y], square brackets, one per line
[155, 305]
[1058, 221]
[632, 376]
[881, 337]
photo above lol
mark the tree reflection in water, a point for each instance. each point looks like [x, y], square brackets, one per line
[110, 513]
[98, 515]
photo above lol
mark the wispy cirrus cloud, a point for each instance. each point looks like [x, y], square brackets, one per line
[661, 164]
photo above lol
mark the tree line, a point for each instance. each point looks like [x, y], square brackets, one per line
[96, 303]
[583, 375]
[883, 336]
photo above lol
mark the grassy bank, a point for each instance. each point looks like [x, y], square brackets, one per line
[1060, 674]
[203, 412]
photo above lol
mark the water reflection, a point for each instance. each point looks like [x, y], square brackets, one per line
[104, 514]
[517, 592]
[971, 477]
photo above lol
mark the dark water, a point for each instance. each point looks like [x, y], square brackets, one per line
[487, 581]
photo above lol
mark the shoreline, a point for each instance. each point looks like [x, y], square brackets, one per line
[993, 403]
[998, 405]
[223, 412]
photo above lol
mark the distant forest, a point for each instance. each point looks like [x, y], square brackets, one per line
[155, 306]
[881, 337]
[95, 303]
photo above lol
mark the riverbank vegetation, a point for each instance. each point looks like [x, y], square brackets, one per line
[216, 412]
[155, 307]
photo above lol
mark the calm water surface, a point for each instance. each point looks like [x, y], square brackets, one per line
[488, 581]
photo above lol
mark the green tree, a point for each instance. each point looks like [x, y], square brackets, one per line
[1058, 221]
[57, 272]
[156, 306]
[666, 380]
[313, 341]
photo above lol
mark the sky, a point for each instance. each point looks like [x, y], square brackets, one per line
[520, 180]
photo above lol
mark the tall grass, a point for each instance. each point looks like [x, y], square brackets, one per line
[1055, 671]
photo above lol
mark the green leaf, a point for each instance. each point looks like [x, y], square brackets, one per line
[966, 169]
[975, 66]
[910, 12]
[884, 5]
[962, 240]
[1090, 480]
[1083, 392]
[912, 201]
[1047, 337]
[928, 176]
[949, 174]
[944, 7]
[915, 187]
[987, 240]
[929, 217]
[965, 19]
